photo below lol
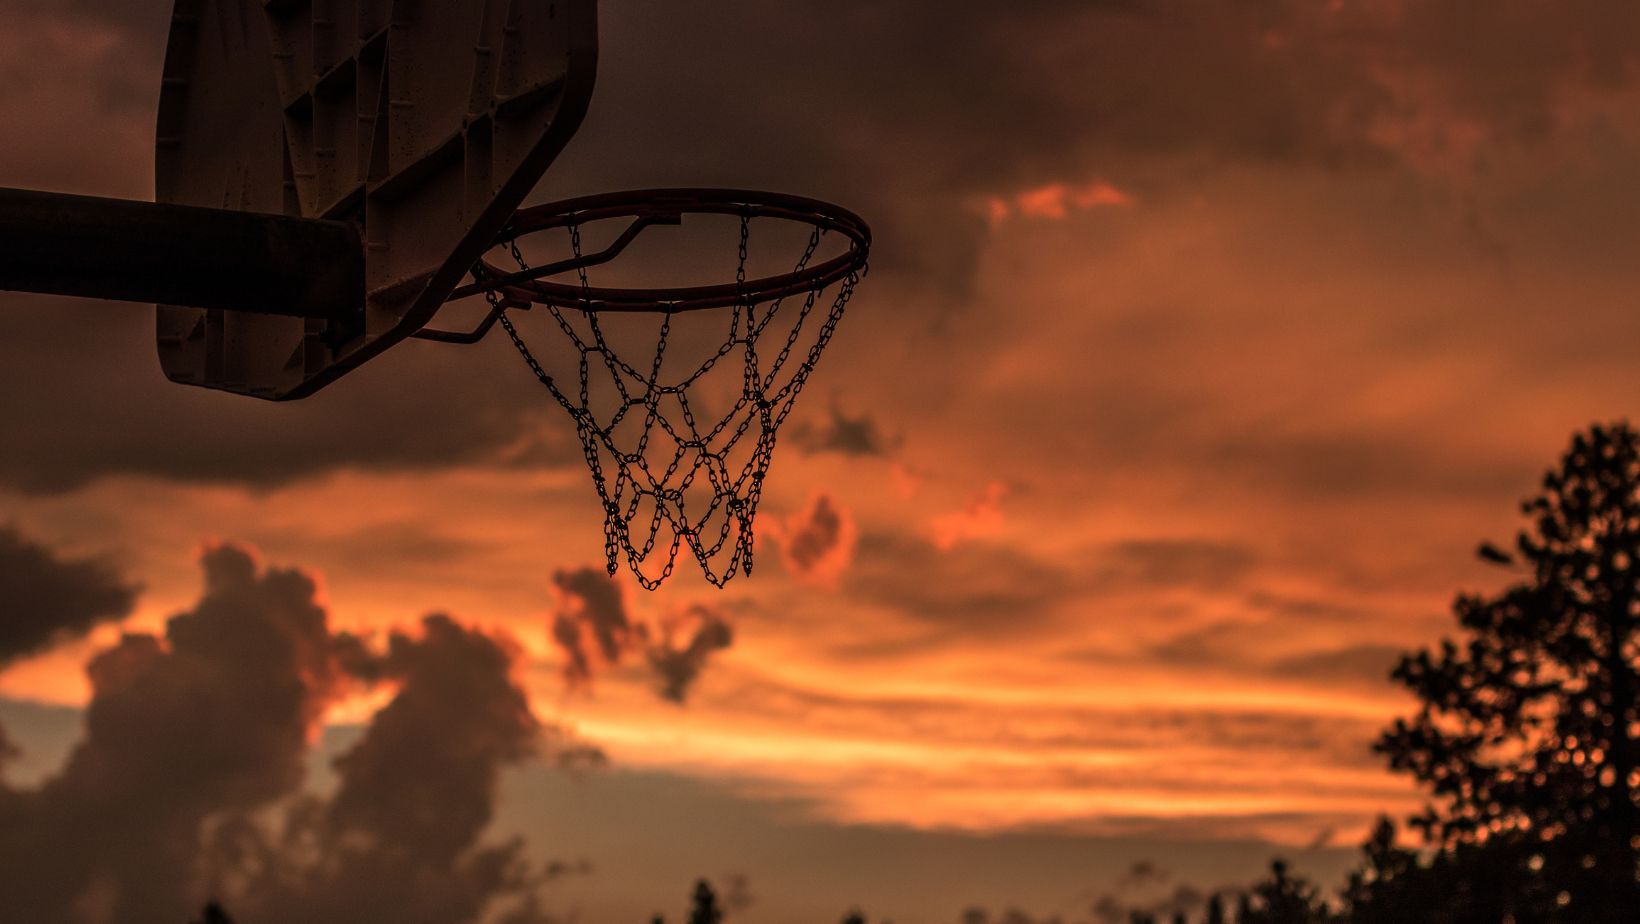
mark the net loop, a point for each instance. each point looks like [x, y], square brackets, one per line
[670, 473]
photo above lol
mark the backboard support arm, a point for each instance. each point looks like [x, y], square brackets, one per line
[127, 250]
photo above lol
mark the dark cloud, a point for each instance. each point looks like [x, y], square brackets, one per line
[1143, 873]
[1510, 71]
[71, 425]
[879, 105]
[187, 780]
[985, 586]
[401, 837]
[1241, 648]
[842, 434]
[213, 718]
[142, 22]
[817, 543]
[49, 598]
[901, 91]
[591, 610]
[821, 532]
[677, 666]
[117, 46]
[875, 104]
[593, 621]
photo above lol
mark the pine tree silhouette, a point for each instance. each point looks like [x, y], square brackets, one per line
[705, 909]
[213, 914]
[1526, 735]
[1465, 884]
[1215, 910]
[1282, 899]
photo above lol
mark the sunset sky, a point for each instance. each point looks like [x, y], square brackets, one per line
[1203, 343]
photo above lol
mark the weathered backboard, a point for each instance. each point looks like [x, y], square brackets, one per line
[423, 123]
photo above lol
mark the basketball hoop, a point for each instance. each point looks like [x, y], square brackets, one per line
[326, 179]
[670, 473]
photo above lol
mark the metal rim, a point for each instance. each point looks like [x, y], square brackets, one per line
[668, 206]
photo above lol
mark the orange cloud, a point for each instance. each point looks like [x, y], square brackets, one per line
[817, 543]
[982, 516]
[1056, 201]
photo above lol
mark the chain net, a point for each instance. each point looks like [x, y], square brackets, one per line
[669, 472]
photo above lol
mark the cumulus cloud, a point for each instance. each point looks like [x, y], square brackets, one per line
[677, 665]
[980, 517]
[593, 625]
[49, 598]
[817, 543]
[211, 718]
[401, 837]
[187, 781]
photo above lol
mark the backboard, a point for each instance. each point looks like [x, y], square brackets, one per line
[330, 173]
[421, 123]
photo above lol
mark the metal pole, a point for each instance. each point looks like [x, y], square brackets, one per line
[134, 251]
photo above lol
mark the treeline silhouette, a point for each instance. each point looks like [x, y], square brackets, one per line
[1526, 739]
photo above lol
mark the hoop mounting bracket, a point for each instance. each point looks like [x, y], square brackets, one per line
[126, 250]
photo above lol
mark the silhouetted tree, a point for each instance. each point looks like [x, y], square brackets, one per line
[1390, 882]
[1283, 899]
[1459, 885]
[1244, 908]
[855, 916]
[213, 914]
[1526, 736]
[705, 909]
[1216, 910]
[1178, 918]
